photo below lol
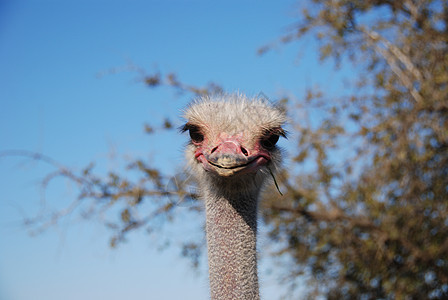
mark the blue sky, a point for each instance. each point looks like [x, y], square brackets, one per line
[61, 96]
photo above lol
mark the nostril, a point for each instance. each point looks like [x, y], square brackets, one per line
[214, 149]
[244, 151]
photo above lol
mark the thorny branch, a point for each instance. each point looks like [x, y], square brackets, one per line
[103, 193]
[156, 79]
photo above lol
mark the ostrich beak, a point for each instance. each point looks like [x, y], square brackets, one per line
[229, 158]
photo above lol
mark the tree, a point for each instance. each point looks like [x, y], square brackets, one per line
[367, 217]
[371, 219]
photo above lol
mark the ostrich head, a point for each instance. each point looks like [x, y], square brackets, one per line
[233, 141]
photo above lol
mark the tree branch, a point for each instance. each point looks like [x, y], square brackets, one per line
[393, 55]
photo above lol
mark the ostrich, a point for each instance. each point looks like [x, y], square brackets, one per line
[231, 153]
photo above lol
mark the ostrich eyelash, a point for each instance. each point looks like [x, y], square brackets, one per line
[186, 127]
[277, 131]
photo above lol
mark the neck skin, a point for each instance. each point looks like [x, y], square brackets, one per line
[231, 227]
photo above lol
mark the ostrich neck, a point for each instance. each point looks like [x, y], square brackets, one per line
[231, 227]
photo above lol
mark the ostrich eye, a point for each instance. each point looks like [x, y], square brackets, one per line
[194, 131]
[195, 135]
[269, 141]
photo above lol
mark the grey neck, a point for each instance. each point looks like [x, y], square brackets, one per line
[231, 227]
